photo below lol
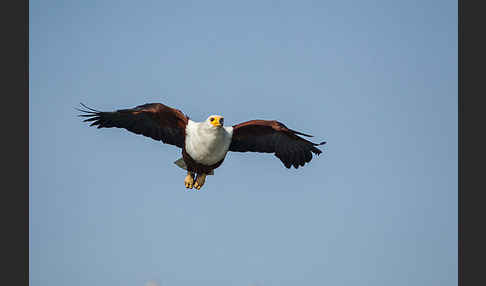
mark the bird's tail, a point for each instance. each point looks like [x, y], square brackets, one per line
[181, 164]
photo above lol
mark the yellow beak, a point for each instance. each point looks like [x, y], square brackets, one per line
[218, 121]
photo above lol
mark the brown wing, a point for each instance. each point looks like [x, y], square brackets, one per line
[273, 137]
[153, 120]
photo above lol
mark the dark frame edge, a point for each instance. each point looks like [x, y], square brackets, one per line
[459, 137]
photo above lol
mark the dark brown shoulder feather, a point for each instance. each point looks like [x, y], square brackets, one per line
[270, 136]
[154, 120]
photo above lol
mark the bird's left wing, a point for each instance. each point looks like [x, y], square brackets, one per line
[154, 120]
[270, 136]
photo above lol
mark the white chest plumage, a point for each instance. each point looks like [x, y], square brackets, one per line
[205, 144]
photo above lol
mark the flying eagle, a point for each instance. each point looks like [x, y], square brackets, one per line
[205, 144]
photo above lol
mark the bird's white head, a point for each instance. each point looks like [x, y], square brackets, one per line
[215, 120]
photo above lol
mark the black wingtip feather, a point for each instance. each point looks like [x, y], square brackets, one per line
[89, 108]
[319, 144]
[300, 133]
[91, 119]
[82, 110]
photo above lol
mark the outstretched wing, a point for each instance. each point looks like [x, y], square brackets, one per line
[267, 136]
[153, 120]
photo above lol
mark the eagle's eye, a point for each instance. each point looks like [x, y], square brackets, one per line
[211, 119]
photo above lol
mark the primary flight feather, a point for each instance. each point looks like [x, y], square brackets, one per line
[205, 144]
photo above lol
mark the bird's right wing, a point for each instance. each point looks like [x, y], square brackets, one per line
[153, 120]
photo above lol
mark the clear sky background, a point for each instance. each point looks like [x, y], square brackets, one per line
[376, 79]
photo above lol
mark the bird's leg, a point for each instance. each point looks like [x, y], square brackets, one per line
[189, 180]
[201, 178]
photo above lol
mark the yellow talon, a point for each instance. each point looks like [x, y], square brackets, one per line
[201, 178]
[189, 180]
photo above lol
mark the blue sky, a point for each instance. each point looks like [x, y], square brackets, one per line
[377, 80]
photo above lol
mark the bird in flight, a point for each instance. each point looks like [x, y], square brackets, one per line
[205, 144]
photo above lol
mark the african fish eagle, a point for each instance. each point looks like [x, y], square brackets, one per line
[205, 144]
